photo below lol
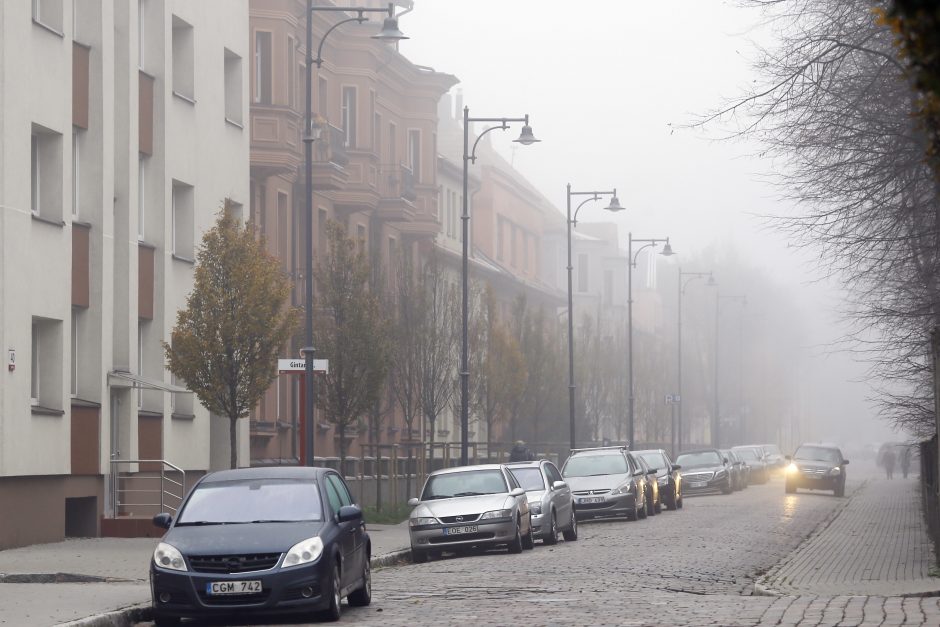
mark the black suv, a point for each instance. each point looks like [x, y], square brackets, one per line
[816, 467]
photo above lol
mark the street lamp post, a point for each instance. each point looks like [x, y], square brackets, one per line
[678, 403]
[469, 156]
[742, 298]
[631, 264]
[389, 33]
[614, 206]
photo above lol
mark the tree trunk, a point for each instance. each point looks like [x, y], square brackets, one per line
[430, 420]
[935, 354]
[232, 436]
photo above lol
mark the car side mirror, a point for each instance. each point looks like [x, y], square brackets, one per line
[413, 502]
[724, 459]
[677, 467]
[845, 461]
[652, 471]
[789, 458]
[347, 513]
[558, 485]
[162, 520]
[516, 492]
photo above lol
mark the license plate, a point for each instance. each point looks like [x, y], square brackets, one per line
[698, 484]
[592, 499]
[234, 587]
[456, 531]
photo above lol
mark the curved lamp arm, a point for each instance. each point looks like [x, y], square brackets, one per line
[574, 220]
[319, 60]
[637, 254]
[473, 153]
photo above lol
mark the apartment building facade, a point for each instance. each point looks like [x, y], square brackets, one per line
[374, 172]
[123, 129]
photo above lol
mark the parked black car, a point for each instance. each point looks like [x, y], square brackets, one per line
[265, 541]
[753, 456]
[816, 467]
[706, 470]
[739, 470]
[667, 476]
[653, 503]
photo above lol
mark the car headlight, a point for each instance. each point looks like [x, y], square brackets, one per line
[168, 556]
[721, 474]
[835, 471]
[303, 552]
[421, 521]
[497, 513]
[664, 480]
[792, 468]
[626, 488]
[535, 508]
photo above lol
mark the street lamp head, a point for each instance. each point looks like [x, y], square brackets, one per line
[667, 249]
[614, 205]
[526, 137]
[390, 32]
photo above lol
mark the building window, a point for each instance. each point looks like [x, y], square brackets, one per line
[349, 116]
[513, 236]
[141, 196]
[392, 143]
[182, 220]
[233, 87]
[582, 272]
[283, 214]
[48, 13]
[608, 287]
[76, 173]
[323, 97]
[141, 32]
[262, 67]
[46, 173]
[291, 63]
[414, 153]
[45, 384]
[183, 62]
[500, 227]
[377, 134]
[35, 357]
[238, 210]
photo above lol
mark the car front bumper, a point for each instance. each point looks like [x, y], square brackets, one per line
[297, 589]
[711, 485]
[618, 505]
[437, 537]
[814, 482]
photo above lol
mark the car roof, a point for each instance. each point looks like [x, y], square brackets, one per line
[650, 450]
[699, 450]
[267, 472]
[820, 445]
[530, 462]
[601, 450]
[447, 471]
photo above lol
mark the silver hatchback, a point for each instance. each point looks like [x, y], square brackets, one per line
[550, 502]
[469, 506]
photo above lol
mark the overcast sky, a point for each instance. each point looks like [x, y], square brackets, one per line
[609, 87]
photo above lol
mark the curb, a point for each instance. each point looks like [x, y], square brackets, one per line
[760, 590]
[124, 617]
[391, 559]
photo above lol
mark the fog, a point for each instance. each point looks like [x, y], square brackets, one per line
[611, 88]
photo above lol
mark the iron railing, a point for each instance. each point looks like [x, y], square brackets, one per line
[169, 489]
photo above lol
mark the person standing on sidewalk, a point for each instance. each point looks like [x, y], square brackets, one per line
[888, 461]
[906, 461]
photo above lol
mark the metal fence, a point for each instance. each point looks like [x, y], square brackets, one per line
[928, 485]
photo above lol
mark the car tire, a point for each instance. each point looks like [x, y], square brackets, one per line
[571, 533]
[727, 489]
[166, 621]
[670, 500]
[515, 547]
[552, 536]
[418, 556]
[679, 502]
[839, 491]
[658, 508]
[789, 487]
[334, 609]
[641, 510]
[362, 596]
[650, 505]
[528, 540]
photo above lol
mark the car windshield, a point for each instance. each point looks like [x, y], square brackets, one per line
[653, 460]
[529, 478]
[818, 454]
[747, 453]
[771, 449]
[252, 500]
[592, 465]
[702, 458]
[466, 483]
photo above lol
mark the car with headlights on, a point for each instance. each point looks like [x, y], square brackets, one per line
[261, 541]
[606, 481]
[667, 476]
[757, 468]
[550, 502]
[816, 467]
[739, 470]
[705, 470]
[653, 503]
[774, 458]
[469, 506]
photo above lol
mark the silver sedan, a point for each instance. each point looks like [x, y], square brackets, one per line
[469, 506]
[550, 501]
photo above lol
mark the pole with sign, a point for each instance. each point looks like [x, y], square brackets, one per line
[298, 367]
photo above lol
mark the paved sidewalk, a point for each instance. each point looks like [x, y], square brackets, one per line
[50, 584]
[876, 546]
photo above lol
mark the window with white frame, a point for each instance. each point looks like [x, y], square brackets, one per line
[46, 173]
[291, 62]
[583, 272]
[35, 360]
[233, 87]
[182, 220]
[48, 13]
[349, 115]
[414, 153]
[141, 32]
[262, 93]
[183, 59]
[46, 358]
[141, 196]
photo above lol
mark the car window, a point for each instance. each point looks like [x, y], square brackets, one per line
[818, 454]
[344, 497]
[249, 500]
[587, 465]
[701, 458]
[654, 459]
[465, 483]
[513, 483]
[552, 472]
[529, 477]
[333, 497]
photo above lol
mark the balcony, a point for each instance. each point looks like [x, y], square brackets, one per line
[396, 187]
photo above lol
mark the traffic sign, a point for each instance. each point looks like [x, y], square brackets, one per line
[299, 365]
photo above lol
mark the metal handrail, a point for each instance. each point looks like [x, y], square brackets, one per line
[164, 491]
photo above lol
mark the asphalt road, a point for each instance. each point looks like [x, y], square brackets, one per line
[694, 566]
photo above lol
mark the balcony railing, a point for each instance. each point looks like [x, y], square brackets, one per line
[331, 147]
[396, 182]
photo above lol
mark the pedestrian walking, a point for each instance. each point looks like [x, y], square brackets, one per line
[906, 461]
[520, 452]
[887, 461]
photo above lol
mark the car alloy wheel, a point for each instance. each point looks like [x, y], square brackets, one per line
[332, 612]
[571, 533]
[516, 545]
[363, 596]
[528, 540]
[552, 536]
